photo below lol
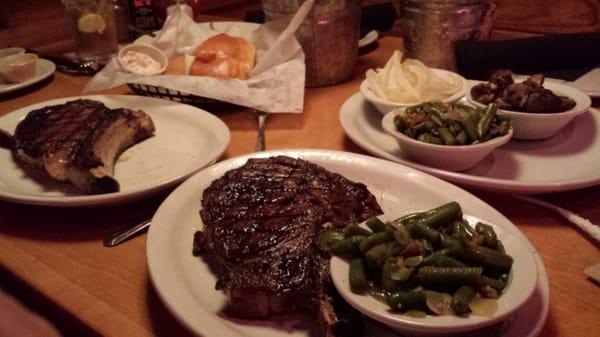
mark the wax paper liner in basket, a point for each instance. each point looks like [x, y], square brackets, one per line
[277, 80]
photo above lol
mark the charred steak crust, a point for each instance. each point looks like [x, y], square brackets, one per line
[79, 141]
[261, 221]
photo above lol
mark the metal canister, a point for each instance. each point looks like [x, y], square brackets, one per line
[431, 27]
[328, 35]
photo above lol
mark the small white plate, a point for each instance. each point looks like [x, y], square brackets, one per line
[543, 166]
[521, 286]
[45, 68]
[186, 140]
[186, 283]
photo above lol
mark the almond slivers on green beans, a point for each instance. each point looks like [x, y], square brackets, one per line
[432, 261]
[451, 124]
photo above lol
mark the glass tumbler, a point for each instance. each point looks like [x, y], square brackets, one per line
[93, 22]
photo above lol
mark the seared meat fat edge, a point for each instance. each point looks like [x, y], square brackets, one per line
[261, 223]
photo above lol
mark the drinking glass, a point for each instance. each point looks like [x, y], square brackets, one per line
[93, 22]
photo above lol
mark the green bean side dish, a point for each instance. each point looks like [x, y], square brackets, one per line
[425, 262]
[451, 124]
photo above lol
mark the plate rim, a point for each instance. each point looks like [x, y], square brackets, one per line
[33, 80]
[115, 197]
[483, 183]
[542, 285]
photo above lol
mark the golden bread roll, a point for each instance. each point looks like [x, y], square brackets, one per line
[225, 57]
[176, 66]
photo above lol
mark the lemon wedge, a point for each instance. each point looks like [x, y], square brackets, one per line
[91, 23]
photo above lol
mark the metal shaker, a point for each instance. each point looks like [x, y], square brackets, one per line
[328, 35]
[431, 27]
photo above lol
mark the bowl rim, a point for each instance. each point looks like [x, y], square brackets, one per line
[372, 97]
[582, 102]
[164, 62]
[388, 125]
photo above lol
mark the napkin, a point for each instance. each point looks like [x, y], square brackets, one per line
[565, 56]
[277, 80]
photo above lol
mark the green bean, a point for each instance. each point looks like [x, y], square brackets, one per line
[442, 215]
[461, 299]
[503, 128]
[377, 255]
[376, 225]
[472, 112]
[500, 247]
[449, 243]
[419, 230]
[489, 236]
[497, 284]
[400, 123]
[349, 246]
[442, 276]
[356, 230]
[358, 276]
[486, 257]
[428, 138]
[484, 123]
[440, 260]
[401, 235]
[407, 300]
[436, 119]
[446, 136]
[461, 138]
[373, 240]
[327, 238]
[469, 128]
[427, 246]
[406, 218]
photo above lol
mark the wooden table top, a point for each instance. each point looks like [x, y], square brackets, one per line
[57, 254]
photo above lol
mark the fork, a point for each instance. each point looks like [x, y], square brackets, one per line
[260, 138]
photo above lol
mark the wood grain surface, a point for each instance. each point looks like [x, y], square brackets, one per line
[58, 255]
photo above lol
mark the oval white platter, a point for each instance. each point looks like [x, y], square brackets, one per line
[186, 283]
[544, 166]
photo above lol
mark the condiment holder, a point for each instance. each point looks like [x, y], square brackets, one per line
[143, 59]
[18, 68]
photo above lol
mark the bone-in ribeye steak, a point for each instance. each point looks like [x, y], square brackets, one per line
[261, 222]
[78, 141]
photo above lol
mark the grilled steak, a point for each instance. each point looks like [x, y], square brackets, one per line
[79, 141]
[261, 222]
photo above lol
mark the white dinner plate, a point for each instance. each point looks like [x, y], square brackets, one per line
[186, 283]
[549, 165]
[186, 140]
[44, 69]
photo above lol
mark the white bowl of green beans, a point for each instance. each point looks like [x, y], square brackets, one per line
[435, 271]
[452, 137]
